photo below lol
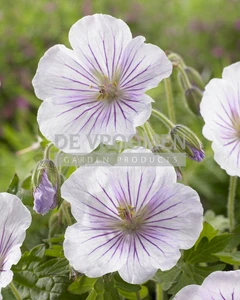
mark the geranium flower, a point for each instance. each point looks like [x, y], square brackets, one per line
[132, 220]
[220, 109]
[218, 285]
[13, 225]
[98, 88]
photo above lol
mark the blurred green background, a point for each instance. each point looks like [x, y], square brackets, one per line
[205, 33]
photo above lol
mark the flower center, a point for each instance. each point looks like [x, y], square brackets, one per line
[129, 216]
[108, 90]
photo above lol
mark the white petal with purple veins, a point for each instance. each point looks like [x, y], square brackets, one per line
[218, 285]
[97, 88]
[139, 215]
[220, 109]
[99, 41]
[143, 66]
[13, 224]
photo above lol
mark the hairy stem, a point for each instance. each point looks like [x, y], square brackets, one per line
[231, 199]
[168, 89]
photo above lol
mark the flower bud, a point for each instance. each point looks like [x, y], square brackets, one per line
[193, 97]
[193, 77]
[46, 187]
[187, 142]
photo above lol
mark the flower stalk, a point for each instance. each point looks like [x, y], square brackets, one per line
[166, 122]
[168, 89]
[159, 292]
[15, 291]
[231, 199]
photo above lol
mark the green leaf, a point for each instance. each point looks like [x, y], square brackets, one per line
[229, 258]
[121, 284]
[27, 183]
[207, 231]
[82, 285]
[14, 185]
[235, 240]
[35, 277]
[55, 251]
[167, 278]
[132, 295]
[184, 274]
[206, 249]
[191, 274]
[98, 288]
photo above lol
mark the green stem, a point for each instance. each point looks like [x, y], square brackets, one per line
[159, 292]
[231, 198]
[15, 291]
[66, 213]
[138, 295]
[168, 88]
[149, 132]
[120, 148]
[47, 151]
[166, 122]
[184, 77]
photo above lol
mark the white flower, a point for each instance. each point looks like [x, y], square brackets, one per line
[132, 220]
[98, 88]
[220, 109]
[14, 221]
[217, 286]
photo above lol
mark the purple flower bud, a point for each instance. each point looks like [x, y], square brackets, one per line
[45, 195]
[187, 142]
[197, 154]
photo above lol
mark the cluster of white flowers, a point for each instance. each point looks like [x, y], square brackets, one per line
[133, 220]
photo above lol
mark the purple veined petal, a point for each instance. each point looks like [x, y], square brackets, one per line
[98, 87]
[62, 76]
[138, 267]
[90, 121]
[95, 251]
[98, 205]
[218, 285]
[13, 225]
[141, 183]
[220, 108]
[144, 209]
[143, 66]
[70, 129]
[190, 292]
[99, 41]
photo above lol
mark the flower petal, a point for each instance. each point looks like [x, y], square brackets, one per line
[139, 184]
[232, 72]
[218, 285]
[62, 76]
[99, 41]
[173, 221]
[70, 129]
[223, 284]
[95, 251]
[190, 292]
[143, 66]
[138, 267]
[220, 108]
[13, 224]
[98, 205]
